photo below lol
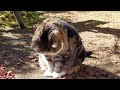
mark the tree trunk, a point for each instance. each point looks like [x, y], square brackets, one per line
[19, 19]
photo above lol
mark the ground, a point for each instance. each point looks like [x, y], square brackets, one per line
[100, 33]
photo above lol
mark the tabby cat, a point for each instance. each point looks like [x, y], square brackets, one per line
[60, 48]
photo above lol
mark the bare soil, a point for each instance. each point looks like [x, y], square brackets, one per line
[100, 33]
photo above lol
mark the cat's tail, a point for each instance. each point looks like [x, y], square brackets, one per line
[88, 53]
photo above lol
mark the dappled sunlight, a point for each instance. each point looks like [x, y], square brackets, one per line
[100, 33]
[114, 25]
[14, 46]
[11, 35]
[92, 72]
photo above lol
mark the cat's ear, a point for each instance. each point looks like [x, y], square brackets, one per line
[34, 44]
[37, 34]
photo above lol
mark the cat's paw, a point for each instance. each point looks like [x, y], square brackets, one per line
[48, 73]
[43, 68]
[56, 75]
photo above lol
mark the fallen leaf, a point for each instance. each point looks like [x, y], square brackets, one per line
[2, 77]
[31, 57]
[2, 71]
[34, 60]
[9, 75]
[5, 72]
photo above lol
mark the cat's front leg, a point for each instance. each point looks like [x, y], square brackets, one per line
[42, 62]
[49, 71]
[58, 70]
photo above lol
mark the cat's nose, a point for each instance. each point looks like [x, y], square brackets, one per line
[55, 44]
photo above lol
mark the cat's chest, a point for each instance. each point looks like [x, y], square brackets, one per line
[56, 58]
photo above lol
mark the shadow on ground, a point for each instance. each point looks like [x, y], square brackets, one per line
[91, 72]
[15, 50]
[92, 26]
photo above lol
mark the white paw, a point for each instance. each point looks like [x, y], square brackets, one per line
[57, 75]
[43, 68]
[47, 73]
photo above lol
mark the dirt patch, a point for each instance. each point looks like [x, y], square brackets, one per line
[100, 33]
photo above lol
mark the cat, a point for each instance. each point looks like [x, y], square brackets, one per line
[60, 47]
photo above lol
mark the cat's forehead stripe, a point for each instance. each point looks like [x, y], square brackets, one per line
[48, 25]
[55, 32]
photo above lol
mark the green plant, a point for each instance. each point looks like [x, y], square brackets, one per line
[32, 17]
[7, 19]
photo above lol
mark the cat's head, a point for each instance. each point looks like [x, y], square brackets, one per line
[50, 37]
